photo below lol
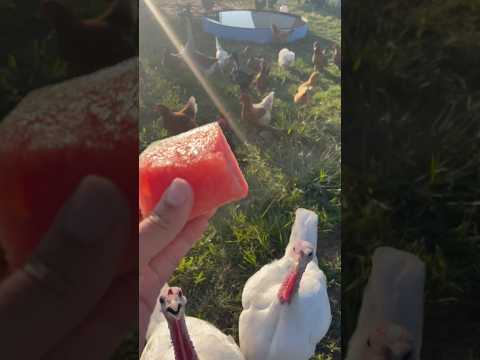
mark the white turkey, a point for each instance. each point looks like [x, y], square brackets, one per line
[286, 309]
[173, 336]
[390, 323]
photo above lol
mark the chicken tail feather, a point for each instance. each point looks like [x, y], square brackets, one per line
[267, 102]
[191, 108]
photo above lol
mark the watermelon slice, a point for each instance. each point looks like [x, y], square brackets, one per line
[56, 136]
[202, 157]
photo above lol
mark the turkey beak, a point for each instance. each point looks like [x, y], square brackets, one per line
[300, 258]
[174, 308]
[297, 257]
[305, 257]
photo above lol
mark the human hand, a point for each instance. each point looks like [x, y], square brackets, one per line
[66, 303]
[166, 236]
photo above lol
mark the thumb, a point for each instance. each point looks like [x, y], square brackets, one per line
[166, 221]
[68, 274]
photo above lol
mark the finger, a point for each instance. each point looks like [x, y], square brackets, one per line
[152, 281]
[164, 264]
[157, 273]
[106, 325]
[168, 218]
[68, 273]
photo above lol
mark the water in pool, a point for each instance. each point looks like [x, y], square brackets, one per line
[255, 19]
[243, 19]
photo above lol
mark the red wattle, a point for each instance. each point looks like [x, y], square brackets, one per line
[182, 344]
[288, 287]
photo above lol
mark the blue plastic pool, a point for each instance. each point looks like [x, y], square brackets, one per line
[252, 25]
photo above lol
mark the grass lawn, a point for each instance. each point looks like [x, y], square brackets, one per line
[298, 166]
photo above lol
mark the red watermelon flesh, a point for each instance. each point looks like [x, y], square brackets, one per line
[202, 157]
[54, 138]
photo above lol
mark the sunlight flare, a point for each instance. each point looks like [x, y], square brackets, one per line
[163, 22]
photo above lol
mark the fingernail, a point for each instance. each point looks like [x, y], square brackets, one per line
[94, 209]
[177, 193]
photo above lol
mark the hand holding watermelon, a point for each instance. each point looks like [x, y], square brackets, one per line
[55, 137]
[165, 236]
[62, 298]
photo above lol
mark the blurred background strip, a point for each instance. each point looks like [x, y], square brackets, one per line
[410, 159]
[47, 42]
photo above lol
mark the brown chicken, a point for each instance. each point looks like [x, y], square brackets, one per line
[227, 131]
[304, 90]
[223, 124]
[280, 36]
[261, 79]
[179, 121]
[319, 58]
[89, 45]
[256, 114]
